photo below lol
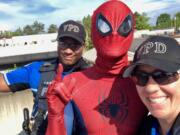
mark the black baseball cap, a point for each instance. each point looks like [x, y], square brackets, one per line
[73, 30]
[158, 51]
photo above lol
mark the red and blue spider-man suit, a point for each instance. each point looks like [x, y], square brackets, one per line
[104, 103]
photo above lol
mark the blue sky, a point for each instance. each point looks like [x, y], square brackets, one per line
[18, 13]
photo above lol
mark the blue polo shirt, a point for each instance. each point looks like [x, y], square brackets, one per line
[28, 77]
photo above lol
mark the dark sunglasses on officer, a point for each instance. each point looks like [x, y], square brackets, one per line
[141, 78]
[74, 45]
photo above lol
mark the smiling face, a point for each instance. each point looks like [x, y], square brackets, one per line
[69, 51]
[163, 101]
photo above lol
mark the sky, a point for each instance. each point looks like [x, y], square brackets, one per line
[18, 13]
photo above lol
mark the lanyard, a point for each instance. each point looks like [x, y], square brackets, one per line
[154, 131]
[155, 127]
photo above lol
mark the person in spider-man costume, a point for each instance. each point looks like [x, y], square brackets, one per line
[103, 102]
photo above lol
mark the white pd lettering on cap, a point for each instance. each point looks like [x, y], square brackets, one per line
[147, 47]
[71, 28]
[160, 47]
[157, 46]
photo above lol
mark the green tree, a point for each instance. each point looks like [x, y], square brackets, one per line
[18, 32]
[37, 27]
[27, 30]
[163, 21]
[6, 34]
[177, 20]
[52, 28]
[142, 21]
[87, 24]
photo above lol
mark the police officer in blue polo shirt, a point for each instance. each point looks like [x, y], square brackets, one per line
[37, 75]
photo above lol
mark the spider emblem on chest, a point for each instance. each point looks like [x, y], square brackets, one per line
[115, 106]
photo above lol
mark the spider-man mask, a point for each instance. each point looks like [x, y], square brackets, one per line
[112, 29]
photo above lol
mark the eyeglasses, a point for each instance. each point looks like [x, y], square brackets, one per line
[74, 46]
[141, 78]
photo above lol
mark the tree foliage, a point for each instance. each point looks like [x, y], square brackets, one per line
[52, 28]
[6, 34]
[141, 21]
[27, 30]
[163, 21]
[87, 24]
[177, 20]
[18, 32]
[37, 27]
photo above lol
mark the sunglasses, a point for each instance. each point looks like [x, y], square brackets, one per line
[74, 46]
[141, 78]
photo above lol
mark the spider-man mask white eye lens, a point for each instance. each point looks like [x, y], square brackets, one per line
[126, 27]
[103, 25]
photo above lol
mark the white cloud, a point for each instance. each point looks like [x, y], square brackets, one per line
[69, 9]
[7, 8]
[145, 5]
[154, 8]
[76, 10]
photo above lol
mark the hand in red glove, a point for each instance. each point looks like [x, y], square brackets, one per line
[58, 95]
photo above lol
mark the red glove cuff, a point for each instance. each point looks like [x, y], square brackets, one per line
[56, 126]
